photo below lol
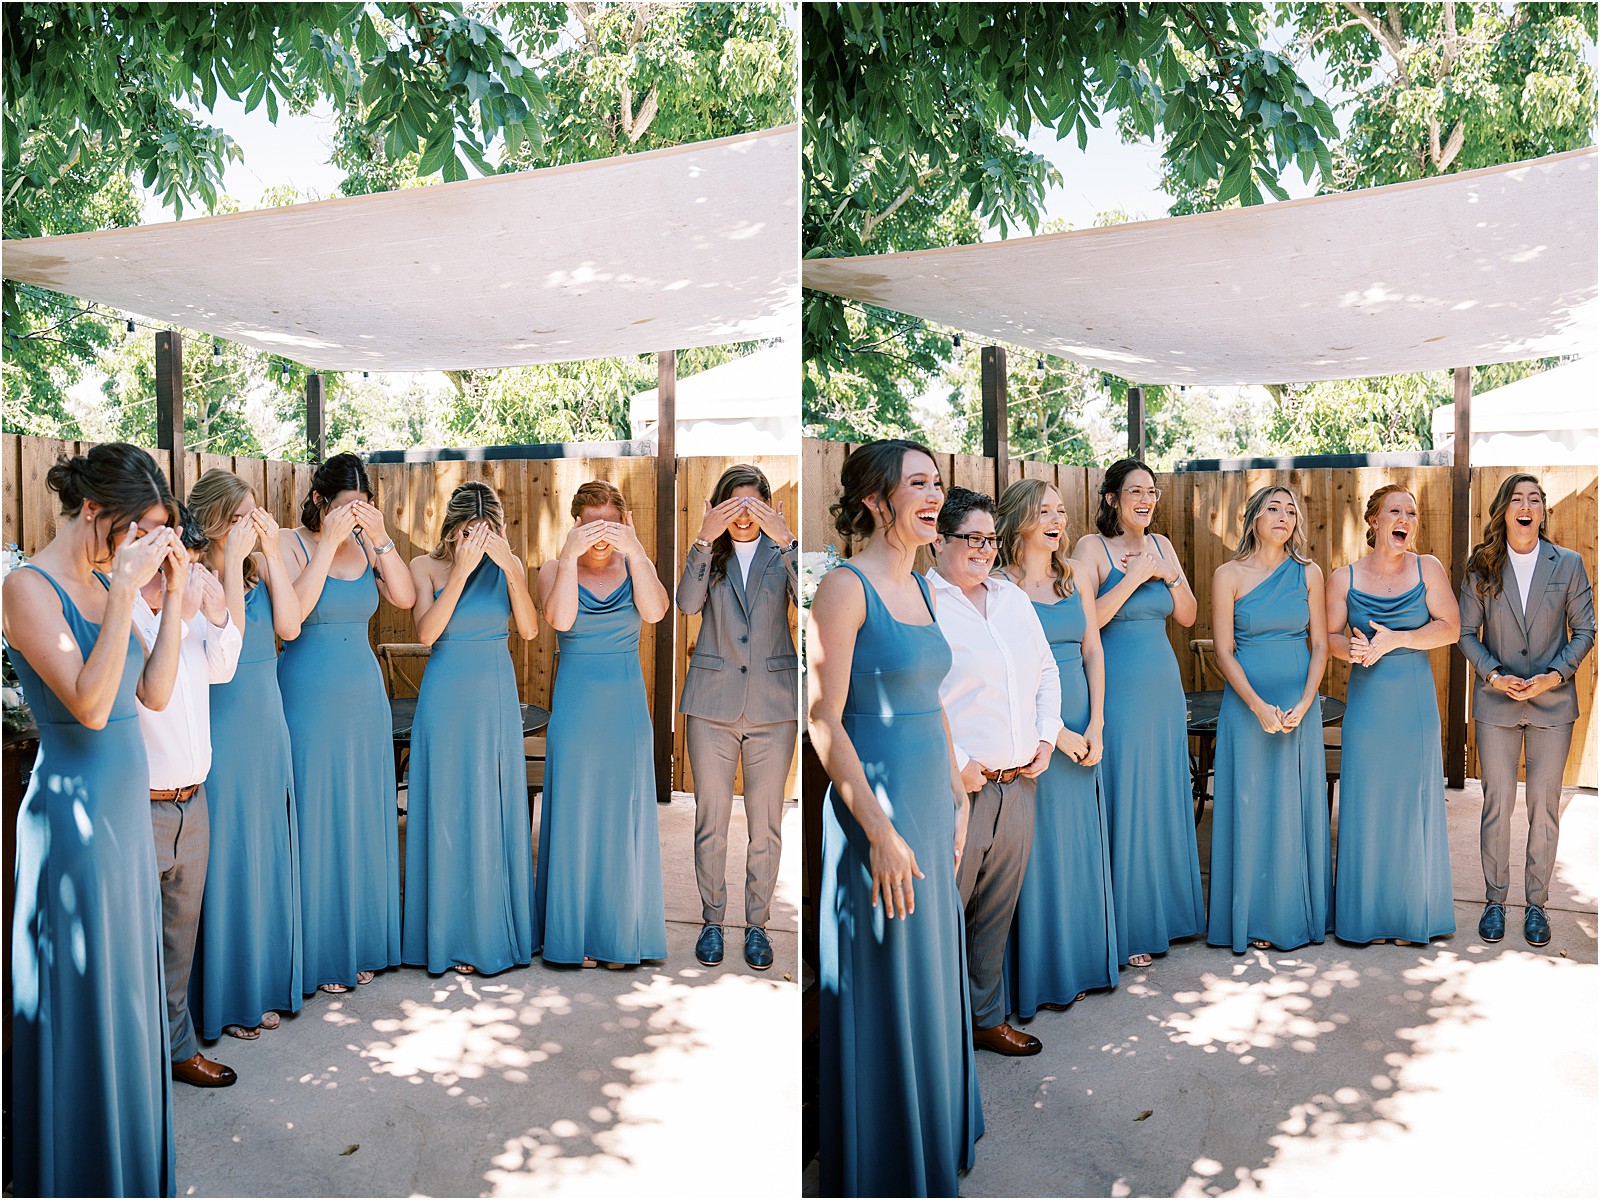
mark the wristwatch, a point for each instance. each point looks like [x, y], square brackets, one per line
[793, 545]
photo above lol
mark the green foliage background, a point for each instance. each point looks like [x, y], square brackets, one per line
[916, 119]
[99, 96]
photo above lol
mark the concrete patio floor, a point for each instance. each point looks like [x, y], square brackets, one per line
[1455, 1069]
[664, 1079]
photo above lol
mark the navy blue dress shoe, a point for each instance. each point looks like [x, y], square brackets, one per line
[1492, 925]
[1535, 927]
[757, 949]
[709, 948]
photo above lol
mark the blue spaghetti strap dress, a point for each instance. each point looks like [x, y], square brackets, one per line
[1155, 864]
[91, 1097]
[1064, 936]
[341, 736]
[1393, 874]
[249, 958]
[1271, 862]
[898, 1084]
[469, 848]
[598, 890]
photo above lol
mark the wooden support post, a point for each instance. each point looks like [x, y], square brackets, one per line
[1136, 422]
[316, 418]
[996, 415]
[666, 563]
[1455, 763]
[169, 405]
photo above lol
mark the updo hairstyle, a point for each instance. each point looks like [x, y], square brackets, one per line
[1375, 502]
[871, 472]
[341, 473]
[472, 501]
[597, 493]
[1106, 519]
[122, 479]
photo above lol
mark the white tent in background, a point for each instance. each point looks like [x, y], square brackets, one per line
[749, 406]
[1543, 420]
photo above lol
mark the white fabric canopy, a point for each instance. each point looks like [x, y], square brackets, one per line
[1548, 418]
[665, 250]
[1487, 266]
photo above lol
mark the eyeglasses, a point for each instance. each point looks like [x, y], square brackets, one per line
[1138, 494]
[979, 541]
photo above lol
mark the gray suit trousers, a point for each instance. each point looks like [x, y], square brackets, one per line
[993, 862]
[715, 748]
[1500, 747]
[183, 848]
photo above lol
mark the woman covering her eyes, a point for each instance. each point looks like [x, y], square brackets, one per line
[469, 853]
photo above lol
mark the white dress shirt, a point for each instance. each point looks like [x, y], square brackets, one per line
[1003, 691]
[177, 740]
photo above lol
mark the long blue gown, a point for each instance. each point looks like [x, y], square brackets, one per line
[598, 891]
[1393, 876]
[1064, 936]
[249, 956]
[91, 1098]
[344, 791]
[898, 1084]
[1155, 864]
[1271, 863]
[469, 847]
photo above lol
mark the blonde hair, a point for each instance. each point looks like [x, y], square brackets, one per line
[1375, 500]
[1017, 515]
[472, 501]
[1249, 543]
[213, 500]
[597, 493]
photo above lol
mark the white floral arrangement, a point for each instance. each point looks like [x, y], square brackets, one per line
[814, 564]
[17, 714]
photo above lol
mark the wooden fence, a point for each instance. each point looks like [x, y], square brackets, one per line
[413, 496]
[1200, 512]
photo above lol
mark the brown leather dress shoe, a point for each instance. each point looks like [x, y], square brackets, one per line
[202, 1072]
[1003, 1039]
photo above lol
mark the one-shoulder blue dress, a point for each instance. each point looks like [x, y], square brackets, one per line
[341, 735]
[249, 957]
[598, 891]
[469, 847]
[91, 1097]
[1393, 873]
[1271, 863]
[898, 1084]
[1064, 936]
[1155, 863]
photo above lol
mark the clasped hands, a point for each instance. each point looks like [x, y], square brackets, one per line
[1525, 689]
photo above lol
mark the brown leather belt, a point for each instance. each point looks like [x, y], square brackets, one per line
[1005, 776]
[178, 794]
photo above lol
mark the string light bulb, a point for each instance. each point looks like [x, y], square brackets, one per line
[130, 324]
[283, 372]
[216, 351]
[955, 342]
[1038, 367]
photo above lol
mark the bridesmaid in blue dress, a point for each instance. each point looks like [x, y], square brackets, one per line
[597, 894]
[898, 1085]
[91, 1100]
[341, 560]
[1271, 864]
[1393, 873]
[1064, 936]
[469, 849]
[249, 957]
[1138, 584]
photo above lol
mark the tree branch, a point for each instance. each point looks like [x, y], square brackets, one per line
[1452, 146]
[1447, 58]
[873, 219]
[1389, 39]
[1227, 67]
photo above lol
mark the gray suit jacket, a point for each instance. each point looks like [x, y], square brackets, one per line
[1554, 635]
[744, 661]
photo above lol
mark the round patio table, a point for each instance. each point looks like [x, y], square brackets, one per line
[1203, 710]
